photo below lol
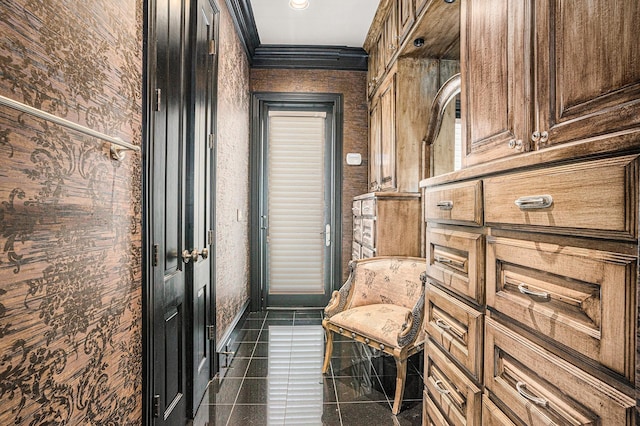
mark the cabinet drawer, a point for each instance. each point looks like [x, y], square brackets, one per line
[459, 203]
[456, 327]
[366, 252]
[492, 415]
[594, 198]
[455, 259]
[356, 208]
[357, 229]
[355, 251]
[457, 397]
[368, 232]
[575, 296]
[369, 207]
[430, 414]
[541, 388]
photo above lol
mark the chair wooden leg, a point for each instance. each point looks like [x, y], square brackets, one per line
[401, 377]
[328, 351]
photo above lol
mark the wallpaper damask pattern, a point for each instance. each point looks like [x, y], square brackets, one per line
[70, 234]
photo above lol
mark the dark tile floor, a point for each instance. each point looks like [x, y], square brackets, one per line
[268, 383]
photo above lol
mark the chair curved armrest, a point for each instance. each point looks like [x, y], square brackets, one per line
[413, 321]
[339, 297]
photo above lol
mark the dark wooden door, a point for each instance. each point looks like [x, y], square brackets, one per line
[168, 205]
[200, 197]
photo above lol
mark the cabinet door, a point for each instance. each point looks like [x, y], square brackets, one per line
[406, 18]
[587, 68]
[390, 34]
[373, 66]
[495, 86]
[374, 146]
[420, 4]
[388, 135]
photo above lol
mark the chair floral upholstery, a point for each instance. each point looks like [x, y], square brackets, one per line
[382, 305]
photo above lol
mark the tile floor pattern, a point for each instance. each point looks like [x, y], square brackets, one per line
[358, 389]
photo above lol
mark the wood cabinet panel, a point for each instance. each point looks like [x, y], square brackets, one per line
[431, 415]
[369, 232]
[456, 327]
[356, 207]
[375, 148]
[541, 388]
[455, 259]
[388, 135]
[594, 198]
[406, 18]
[389, 224]
[492, 415]
[573, 296]
[587, 74]
[457, 397]
[495, 88]
[459, 203]
[355, 251]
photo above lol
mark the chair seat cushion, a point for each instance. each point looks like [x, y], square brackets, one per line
[380, 322]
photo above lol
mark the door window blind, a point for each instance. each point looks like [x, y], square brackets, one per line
[296, 216]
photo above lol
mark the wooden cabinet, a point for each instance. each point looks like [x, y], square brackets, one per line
[386, 224]
[561, 269]
[456, 327]
[406, 18]
[455, 260]
[454, 395]
[492, 415]
[375, 146]
[542, 73]
[586, 60]
[387, 175]
[541, 388]
[459, 204]
[571, 296]
[390, 34]
[591, 198]
[495, 85]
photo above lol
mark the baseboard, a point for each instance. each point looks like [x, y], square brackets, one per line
[227, 346]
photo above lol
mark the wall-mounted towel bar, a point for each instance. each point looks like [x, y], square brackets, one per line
[117, 144]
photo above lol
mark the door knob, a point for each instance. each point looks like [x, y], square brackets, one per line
[188, 256]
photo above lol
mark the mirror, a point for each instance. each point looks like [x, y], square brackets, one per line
[444, 134]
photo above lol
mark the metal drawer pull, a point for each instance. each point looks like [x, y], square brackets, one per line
[440, 388]
[443, 325]
[524, 290]
[534, 202]
[447, 261]
[445, 205]
[520, 386]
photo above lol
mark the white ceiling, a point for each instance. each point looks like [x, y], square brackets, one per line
[324, 22]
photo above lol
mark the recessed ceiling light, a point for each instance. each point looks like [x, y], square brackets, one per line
[298, 4]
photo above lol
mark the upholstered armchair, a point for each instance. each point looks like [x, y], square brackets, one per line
[381, 305]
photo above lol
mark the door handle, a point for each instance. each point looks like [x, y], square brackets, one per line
[188, 256]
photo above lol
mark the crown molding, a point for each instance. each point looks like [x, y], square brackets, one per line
[242, 16]
[290, 56]
[314, 57]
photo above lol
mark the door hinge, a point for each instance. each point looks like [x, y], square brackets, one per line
[210, 236]
[212, 47]
[211, 332]
[158, 99]
[155, 255]
[211, 140]
[156, 406]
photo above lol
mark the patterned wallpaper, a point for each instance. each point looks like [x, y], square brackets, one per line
[232, 169]
[70, 234]
[352, 85]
